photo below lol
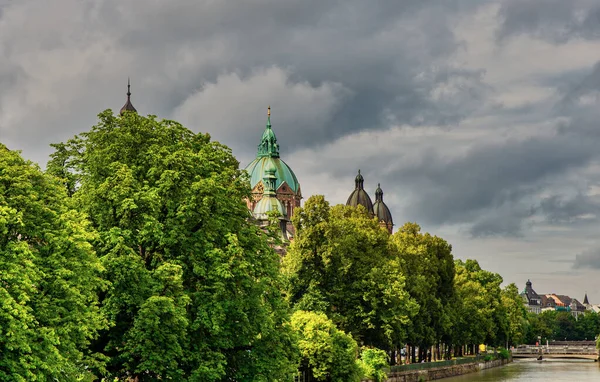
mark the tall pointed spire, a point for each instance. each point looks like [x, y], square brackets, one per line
[585, 300]
[128, 105]
[268, 146]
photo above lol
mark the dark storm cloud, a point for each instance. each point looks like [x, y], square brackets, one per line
[556, 21]
[558, 209]
[492, 187]
[390, 55]
[588, 259]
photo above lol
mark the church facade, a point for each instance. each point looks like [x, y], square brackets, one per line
[271, 177]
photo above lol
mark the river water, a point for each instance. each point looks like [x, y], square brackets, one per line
[532, 370]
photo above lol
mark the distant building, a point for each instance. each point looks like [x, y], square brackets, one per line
[536, 303]
[532, 301]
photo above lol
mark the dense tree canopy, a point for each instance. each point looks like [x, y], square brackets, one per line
[428, 264]
[480, 316]
[49, 278]
[194, 287]
[340, 264]
[135, 257]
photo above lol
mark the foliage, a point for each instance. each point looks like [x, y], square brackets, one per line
[428, 264]
[49, 278]
[373, 363]
[516, 314]
[327, 353]
[195, 287]
[480, 316]
[552, 325]
[503, 353]
[340, 264]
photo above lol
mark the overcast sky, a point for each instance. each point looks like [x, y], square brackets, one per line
[480, 119]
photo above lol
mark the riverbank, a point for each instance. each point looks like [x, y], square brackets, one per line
[434, 373]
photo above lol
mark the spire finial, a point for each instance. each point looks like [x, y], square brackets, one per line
[128, 87]
[269, 111]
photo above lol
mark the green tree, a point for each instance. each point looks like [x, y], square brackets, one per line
[587, 326]
[541, 325]
[428, 264]
[49, 278]
[341, 263]
[480, 317]
[328, 354]
[373, 363]
[516, 315]
[195, 287]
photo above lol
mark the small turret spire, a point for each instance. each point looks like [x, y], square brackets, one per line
[359, 181]
[379, 193]
[128, 105]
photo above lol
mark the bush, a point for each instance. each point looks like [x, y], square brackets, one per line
[329, 353]
[504, 353]
[372, 362]
[488, 357]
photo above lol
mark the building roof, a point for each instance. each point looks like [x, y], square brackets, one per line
[532, 297]
[359, 196]
[585, 300]
[128, 105]
[380, 209]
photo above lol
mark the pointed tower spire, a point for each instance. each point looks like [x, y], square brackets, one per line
[268, 146]
[128, 105]
[585, 300]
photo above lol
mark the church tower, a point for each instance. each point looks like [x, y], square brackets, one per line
[382, 211]
[286, 185]
[128, 105]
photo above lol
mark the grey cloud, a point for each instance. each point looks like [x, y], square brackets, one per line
[390, 54]
[588, 259]
[580, 208]
[490, 178]
[556, 21]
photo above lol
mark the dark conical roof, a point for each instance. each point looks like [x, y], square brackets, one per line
[585, 300]
[128, 105]
[380, 209]
[359, 196]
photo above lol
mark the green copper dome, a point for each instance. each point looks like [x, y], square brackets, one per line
[269, 202]
[256, 170]
[268, 156]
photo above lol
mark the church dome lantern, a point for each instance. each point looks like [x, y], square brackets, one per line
[359, 196]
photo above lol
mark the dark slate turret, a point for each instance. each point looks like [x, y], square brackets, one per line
[359, 196]
[128, 105]
[382, 211]
[585, 300]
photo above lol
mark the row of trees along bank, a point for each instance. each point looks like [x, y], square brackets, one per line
[132, 257]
